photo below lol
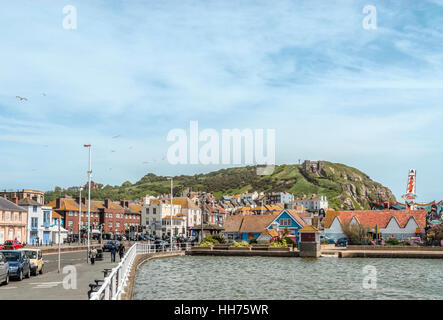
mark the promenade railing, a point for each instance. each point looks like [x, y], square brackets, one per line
[115, 282]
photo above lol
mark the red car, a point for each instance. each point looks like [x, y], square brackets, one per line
[12, 245]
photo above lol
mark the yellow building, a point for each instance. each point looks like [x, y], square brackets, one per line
[12, 221]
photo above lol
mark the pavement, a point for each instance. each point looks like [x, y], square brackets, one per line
[72, 283]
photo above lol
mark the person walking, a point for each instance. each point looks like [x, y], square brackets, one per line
[121, 251]
[93, 255]
[113, 251]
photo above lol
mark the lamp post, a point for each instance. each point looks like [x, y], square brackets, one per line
[170, 216]
[79, 214]
[89, 201]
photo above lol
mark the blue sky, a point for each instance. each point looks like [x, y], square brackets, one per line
[331, 89]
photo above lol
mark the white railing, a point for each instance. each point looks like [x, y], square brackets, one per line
[116, 281]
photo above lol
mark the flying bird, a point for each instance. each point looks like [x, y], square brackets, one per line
[44, 94]
[115, 137]
[21, 98]
[112, 150]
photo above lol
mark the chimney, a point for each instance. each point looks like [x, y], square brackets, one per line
[126, 204]
[57, 203]
[122, 203]
[15, 200]
[84, 200]
[107, 203]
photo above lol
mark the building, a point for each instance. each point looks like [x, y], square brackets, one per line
[153, 215]
[280, 197]
[190, 211]
[400, 224]
[38, 221]
[246, 228]
[106, 217]
[15, 196]
[13, 221]
[314, 203]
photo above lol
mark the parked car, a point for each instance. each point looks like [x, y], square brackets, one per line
[35, 257]
[12, 245]
[342, 242]
[107, 246]
[326, 239]
[4, 269]
[19, 265]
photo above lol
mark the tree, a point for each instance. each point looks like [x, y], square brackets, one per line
[355, 232]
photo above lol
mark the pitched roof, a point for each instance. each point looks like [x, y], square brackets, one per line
[371, 218]
[185, 203]
[297, 218]
[233, 223]
[28, 202]
[8, 205]
[256, 223]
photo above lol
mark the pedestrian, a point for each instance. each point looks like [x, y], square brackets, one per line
[93, 255]
[113, 251]
[121, 251]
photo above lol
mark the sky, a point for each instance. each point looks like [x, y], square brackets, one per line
[132, 71]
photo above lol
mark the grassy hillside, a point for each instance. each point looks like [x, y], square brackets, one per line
[345, 187]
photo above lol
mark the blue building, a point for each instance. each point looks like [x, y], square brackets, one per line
[245, 228]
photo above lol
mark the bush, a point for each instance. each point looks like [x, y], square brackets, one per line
[210, 239]
[205, 244]
[240, 244]
[218, 237]
[279, 243]
[393, 242]
[289, 241]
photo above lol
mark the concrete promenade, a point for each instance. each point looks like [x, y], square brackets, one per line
[49, 285]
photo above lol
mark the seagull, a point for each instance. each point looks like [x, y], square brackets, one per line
[115, 137]
[21, 98]
[112, 150]
[44, 94]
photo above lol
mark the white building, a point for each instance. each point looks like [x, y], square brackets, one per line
[38, 222]
[154, 213]
[399, 224]
[313, 203]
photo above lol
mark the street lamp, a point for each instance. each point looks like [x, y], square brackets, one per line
[79, 214]
[170, 217]
[89, 200]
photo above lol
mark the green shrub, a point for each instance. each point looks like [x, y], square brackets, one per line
[218, 237]
[289, 241]
[205, 244]
[279, 243]
[240, 244]
[210, 239]
[393, 242]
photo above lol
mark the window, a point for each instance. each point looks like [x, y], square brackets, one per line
[154, 211]
[117, 224]
[285, 222]
[34, 222]
[110, 224]
[34, 209]
[70, 223]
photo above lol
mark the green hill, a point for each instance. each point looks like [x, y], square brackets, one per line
[345, 187]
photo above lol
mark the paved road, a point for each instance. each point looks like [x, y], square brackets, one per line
[50, 285]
